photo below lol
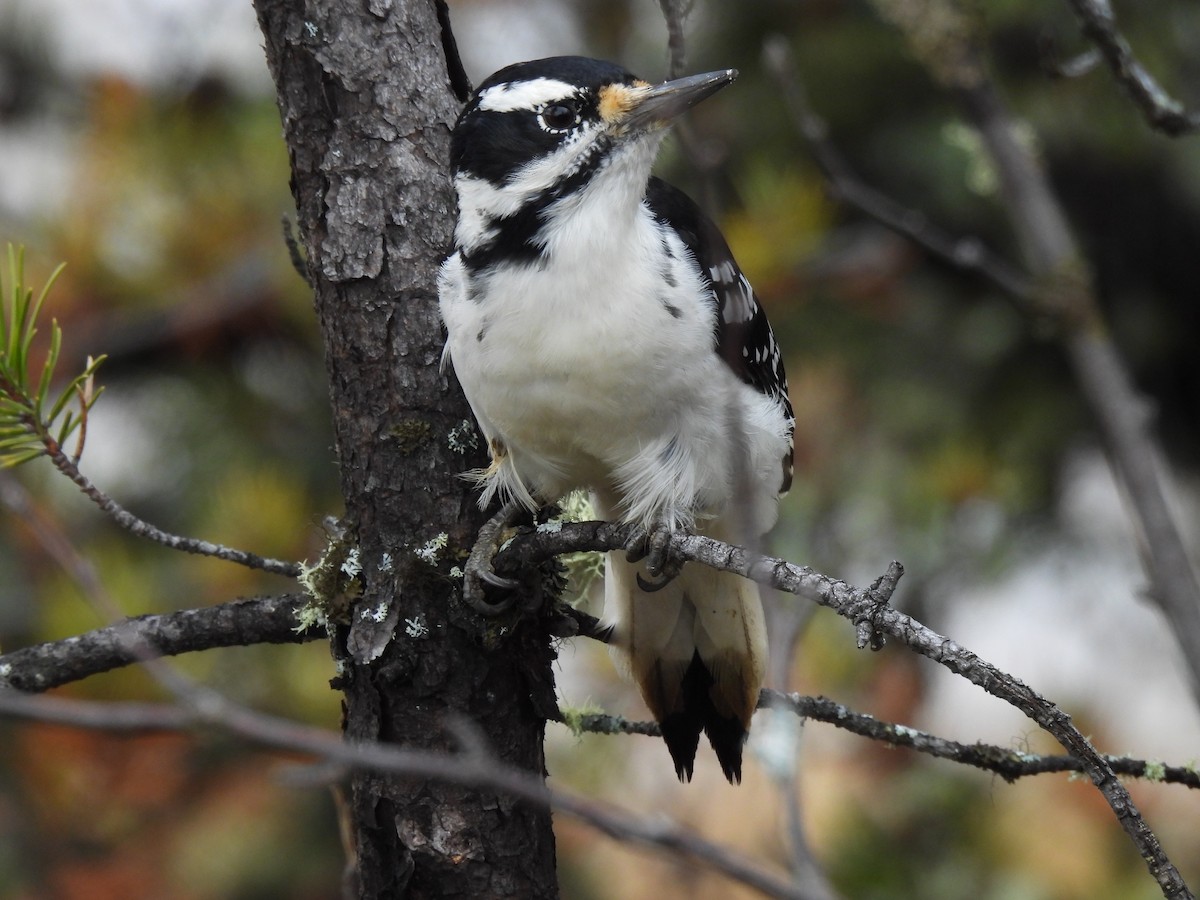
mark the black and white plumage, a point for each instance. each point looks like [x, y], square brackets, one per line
[606, 339]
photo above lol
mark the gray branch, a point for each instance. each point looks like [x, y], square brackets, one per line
[675, 13]
[869, 610]
[114, 716]
[1161, 110]
[1122, 415]
[254, 620]
[1057, 289]
[967, 253]
[142, 528]
[1008, 763]
[258, 620]
[474, 764]
[273, 620]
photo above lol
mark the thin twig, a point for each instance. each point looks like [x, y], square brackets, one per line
[966, 253]
[142, 528]
[241, 622]
[1006, 762]
[120, 717]
[675, 13]
[1161, 111]
[700, 156]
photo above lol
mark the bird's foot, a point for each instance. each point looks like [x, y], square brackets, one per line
[654, 546]
[478, 570]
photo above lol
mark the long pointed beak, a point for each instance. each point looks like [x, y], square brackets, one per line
[658, 105]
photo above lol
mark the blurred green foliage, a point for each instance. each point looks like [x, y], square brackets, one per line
[218, 426]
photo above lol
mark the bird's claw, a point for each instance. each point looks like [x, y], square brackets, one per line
[649, 544]
[473, 595]
[654, 546]
[651, 587]
[498, 581]
[478, 570]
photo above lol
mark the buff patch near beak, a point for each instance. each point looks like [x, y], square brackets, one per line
[641, 106]
[616, 100]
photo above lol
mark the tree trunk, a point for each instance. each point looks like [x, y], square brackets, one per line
[366, 105]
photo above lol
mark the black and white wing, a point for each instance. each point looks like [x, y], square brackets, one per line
[742, 334]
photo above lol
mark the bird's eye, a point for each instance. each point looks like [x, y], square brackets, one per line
[559, 116]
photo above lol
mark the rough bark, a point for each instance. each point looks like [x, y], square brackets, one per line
[366, 103]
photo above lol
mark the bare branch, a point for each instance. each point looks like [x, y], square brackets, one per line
[967, 253]
[1006, 762]
[254, 620]
[119, 717]
[873, 618]
[704, 156]
[141, 528]
[675, 12]
[273, 619]
[1161, 111]
[1120, 412]
[1059, 290]
[473, 765]
[41, 667]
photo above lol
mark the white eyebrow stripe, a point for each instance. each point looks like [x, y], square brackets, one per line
[525, 94]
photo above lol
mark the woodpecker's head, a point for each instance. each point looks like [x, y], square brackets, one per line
[540, 132]
[555, 111]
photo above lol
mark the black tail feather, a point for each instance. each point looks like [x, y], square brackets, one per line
[681, 732]
[681, 729]
[727, 737]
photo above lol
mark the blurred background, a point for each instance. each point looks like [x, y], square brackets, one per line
[936, 424]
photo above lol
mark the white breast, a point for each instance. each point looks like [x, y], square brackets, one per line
[596, 368]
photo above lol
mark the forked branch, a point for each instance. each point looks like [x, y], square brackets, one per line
[874, 618]
[1160, 110]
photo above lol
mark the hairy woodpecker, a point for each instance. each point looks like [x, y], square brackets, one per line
[606, 339]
